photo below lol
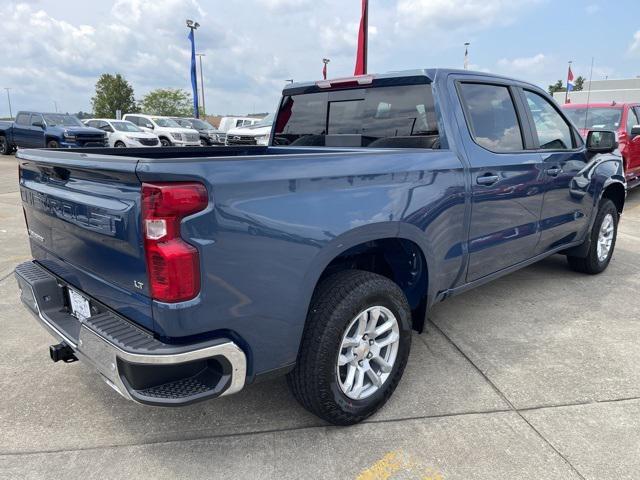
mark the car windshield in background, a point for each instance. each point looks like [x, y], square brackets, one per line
[398, 116]
[56, 119]
[125, 127]
[605, 118]
[165, 122]
[197, 124]
[265, 122]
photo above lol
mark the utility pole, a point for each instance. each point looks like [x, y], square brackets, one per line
[9, 100]
[204, 108]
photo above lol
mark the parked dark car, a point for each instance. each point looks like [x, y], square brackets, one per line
[50, 130]
[209, 135]
[187, 274]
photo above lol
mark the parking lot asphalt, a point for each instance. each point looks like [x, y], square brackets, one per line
[534, 376]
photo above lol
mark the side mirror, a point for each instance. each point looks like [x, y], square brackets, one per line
[635, 131]
[38, 124]
[148, 125]
[601, 141]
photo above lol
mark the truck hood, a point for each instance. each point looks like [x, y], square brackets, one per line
[74, 130]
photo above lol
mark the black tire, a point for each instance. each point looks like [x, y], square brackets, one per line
[119, 144]
[53, 144]
[336, 303]
[591, 263]
[203, 143]
[165, 142]
[5, 148]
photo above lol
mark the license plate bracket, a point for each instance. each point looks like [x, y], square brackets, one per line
[79, 304]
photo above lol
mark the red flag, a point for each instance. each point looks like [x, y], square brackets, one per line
[361, 54]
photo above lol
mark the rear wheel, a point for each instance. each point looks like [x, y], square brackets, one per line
[354, 348]
[53, 144]
[5, 149]
[603, 241]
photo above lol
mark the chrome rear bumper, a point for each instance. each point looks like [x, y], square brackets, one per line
[130, 360]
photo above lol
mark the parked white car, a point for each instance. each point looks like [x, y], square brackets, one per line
[256, 134]
[227, 123]
[170, 133]
[121, 133]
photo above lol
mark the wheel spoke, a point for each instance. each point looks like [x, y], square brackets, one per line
[386, 326]
[350, 342]
[359, 385]
[388, 340]
[373, 376]
[362, 325]
[344, 359]
[348, 382]
[374, 315]
[384, 366]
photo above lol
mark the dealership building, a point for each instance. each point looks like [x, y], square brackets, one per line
[602, 91]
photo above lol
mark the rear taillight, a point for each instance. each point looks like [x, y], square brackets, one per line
[173, 265]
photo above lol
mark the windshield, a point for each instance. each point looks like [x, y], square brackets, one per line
[266, 121]
[194, 123]
[596, 118]
[58, 119]
[398, 116]
[125, 127]
[165, 122]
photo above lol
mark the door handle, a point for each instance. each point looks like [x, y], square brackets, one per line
[487, 179]
[553, 171]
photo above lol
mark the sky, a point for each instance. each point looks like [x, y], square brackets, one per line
[53, 51]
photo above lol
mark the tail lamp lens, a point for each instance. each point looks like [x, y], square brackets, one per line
[173, 265]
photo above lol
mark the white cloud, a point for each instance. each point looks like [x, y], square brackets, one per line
[524, 64]
[466, 15]
[635, 45]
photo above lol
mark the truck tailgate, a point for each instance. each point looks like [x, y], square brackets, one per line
[83, 219]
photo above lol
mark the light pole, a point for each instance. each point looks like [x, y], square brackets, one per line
[204, 108]
[466, 55]
[193, 26]
[9, 100]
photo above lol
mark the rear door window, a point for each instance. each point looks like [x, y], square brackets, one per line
[22, 119]
[492, 117]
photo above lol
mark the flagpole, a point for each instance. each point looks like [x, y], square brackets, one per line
[566, 94]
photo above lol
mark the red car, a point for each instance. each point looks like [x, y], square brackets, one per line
[624, 119]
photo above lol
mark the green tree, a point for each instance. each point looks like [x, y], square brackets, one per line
[173, 102]
[113, 93]
[579, 84]
[557, 87]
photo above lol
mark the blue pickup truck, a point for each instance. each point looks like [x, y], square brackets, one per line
[188, 274]
[48, 130]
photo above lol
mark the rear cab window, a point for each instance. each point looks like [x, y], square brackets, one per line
[400, 116]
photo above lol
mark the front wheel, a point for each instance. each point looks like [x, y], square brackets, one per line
[603, 241]
[53, 144]
[354, 349]
[119, 144]
[165, 142]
